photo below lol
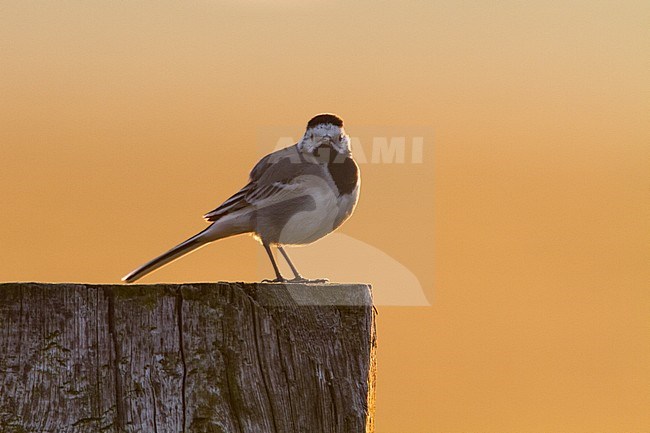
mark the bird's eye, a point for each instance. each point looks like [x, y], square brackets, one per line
[341, 137]
[311, 136]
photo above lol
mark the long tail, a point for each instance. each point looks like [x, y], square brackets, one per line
[217, 230]
[178, 251]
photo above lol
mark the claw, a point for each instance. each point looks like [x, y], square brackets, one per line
[301, 280]
[308, 281]
[276, 280]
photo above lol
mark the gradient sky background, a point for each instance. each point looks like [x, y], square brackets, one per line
[527, 224]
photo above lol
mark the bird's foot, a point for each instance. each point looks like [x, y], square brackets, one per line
[276, 280]
[301, 279]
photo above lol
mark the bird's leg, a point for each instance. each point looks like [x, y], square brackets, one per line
[278, 276]
[296, 274]
[297, 277]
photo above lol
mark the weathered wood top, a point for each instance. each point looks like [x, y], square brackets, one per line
[201, 357]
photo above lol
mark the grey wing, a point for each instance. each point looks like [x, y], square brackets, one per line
[234, 203]
[270, 176]
[277, 166]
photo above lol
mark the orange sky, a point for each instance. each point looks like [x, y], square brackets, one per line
[527, 223]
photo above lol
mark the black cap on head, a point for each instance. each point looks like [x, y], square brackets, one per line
[325, 118]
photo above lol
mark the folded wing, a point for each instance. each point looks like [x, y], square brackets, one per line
[275, 178]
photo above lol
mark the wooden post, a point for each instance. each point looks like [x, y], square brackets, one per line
[223, 357]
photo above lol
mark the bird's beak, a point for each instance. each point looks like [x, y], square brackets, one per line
[326, 140]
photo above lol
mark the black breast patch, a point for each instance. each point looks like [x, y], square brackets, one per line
[345, 174]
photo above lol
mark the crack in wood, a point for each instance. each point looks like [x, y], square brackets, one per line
[286, 378]
[98, 379]
[333, 396]
[120, 409]
[231, 396]
[256, 324]
[179, 312]
[154, 405]
[20, 326]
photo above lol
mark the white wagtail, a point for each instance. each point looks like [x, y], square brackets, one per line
[294, 196]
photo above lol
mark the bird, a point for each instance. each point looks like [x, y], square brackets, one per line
[294, 196]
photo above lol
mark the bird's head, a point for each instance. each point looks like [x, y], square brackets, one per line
[325, 137]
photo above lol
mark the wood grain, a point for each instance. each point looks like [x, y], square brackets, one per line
[222, 357]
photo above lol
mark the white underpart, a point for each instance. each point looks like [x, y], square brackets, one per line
[310, 225]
